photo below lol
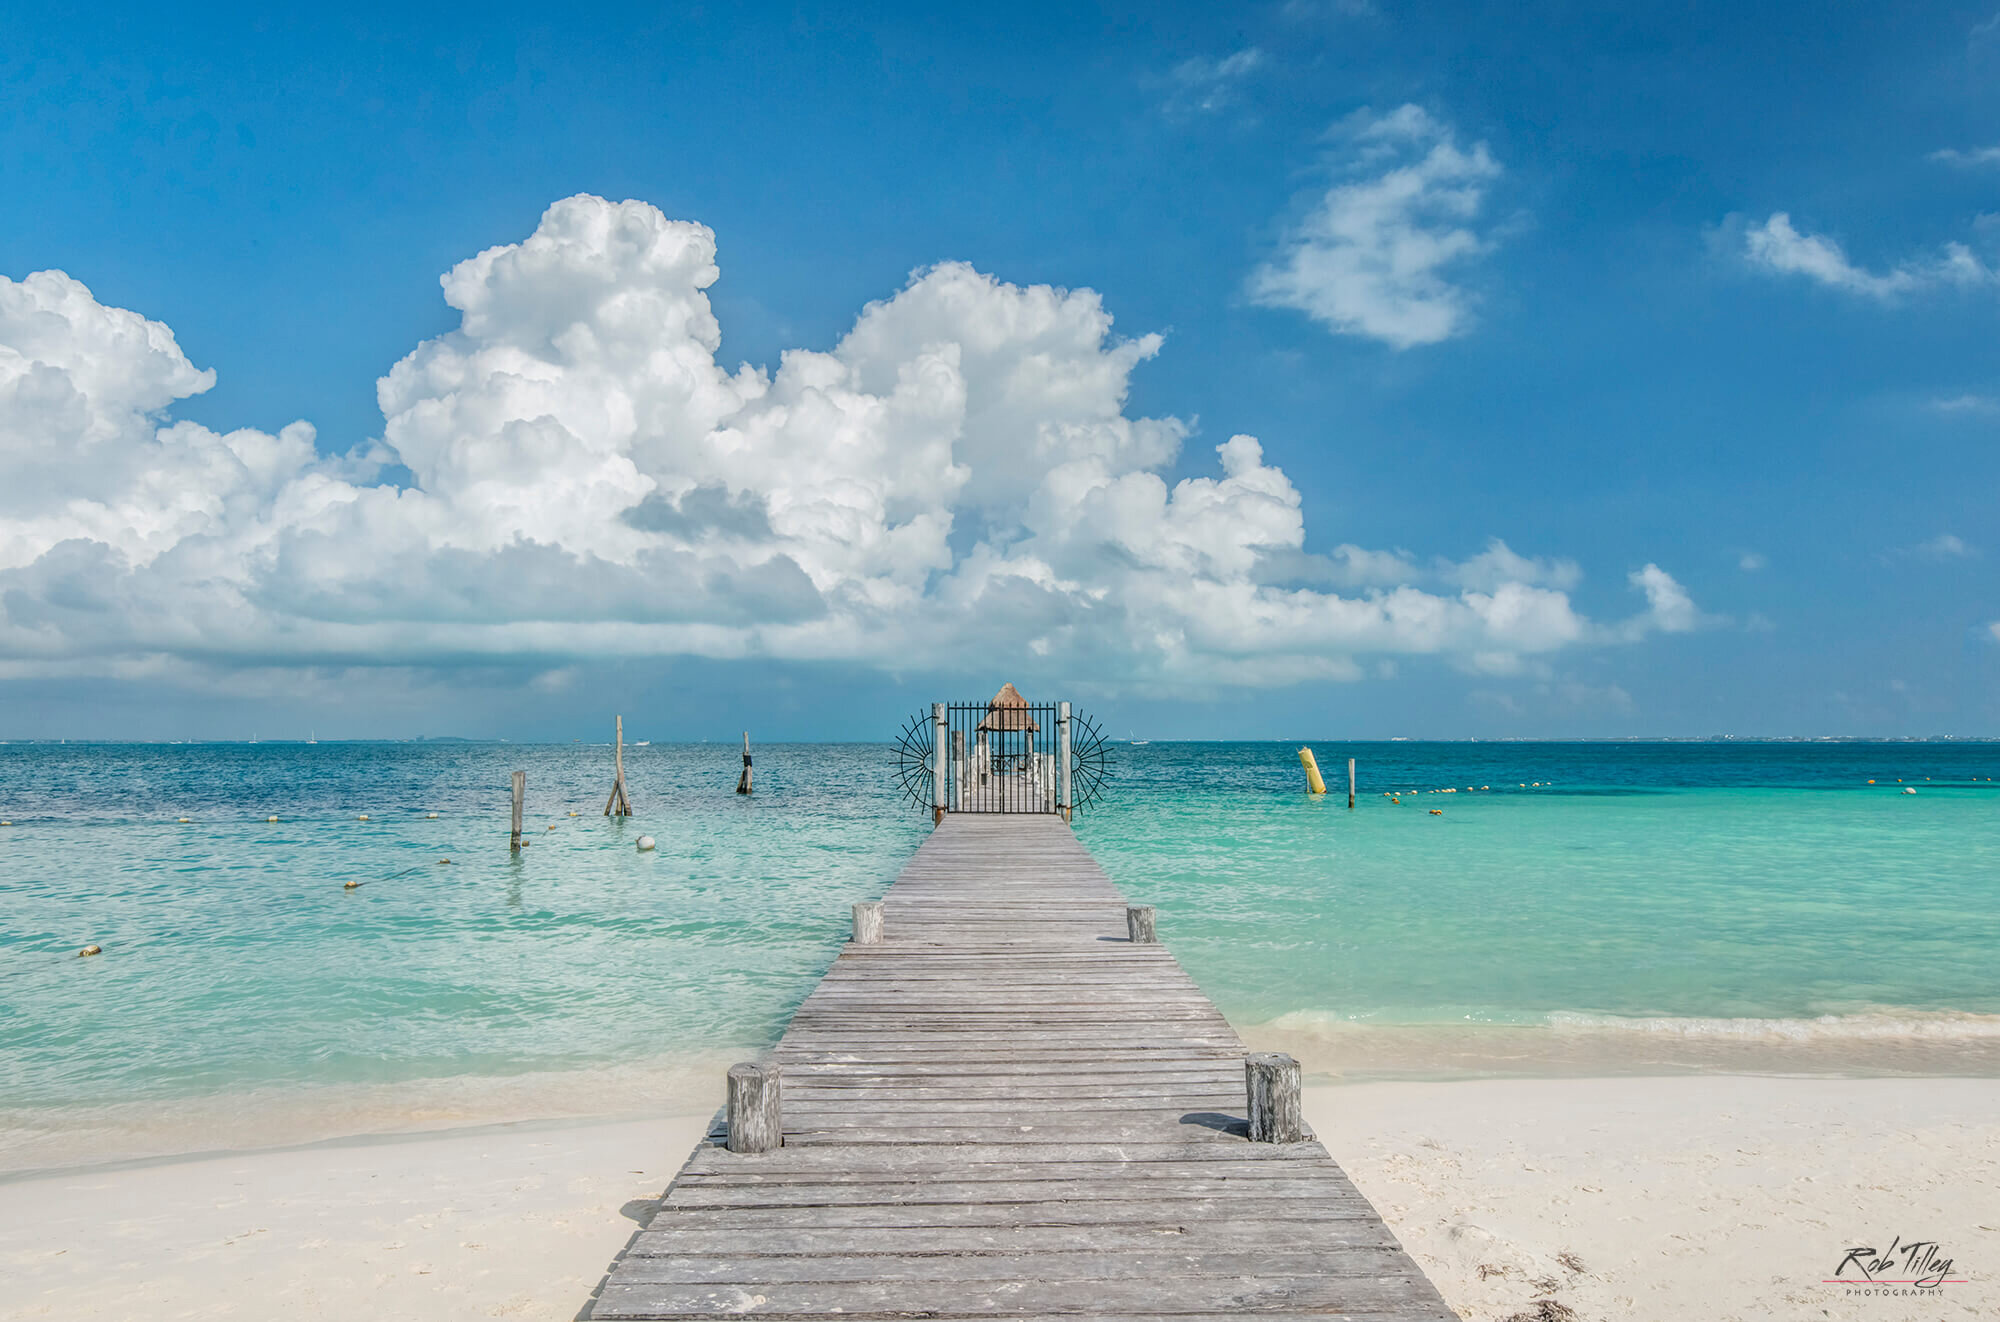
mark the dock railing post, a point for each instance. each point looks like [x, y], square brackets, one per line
[1139, 925]
[937, 762]
[958, 770]
[1272, 1081]
[1062, 759]
[756, 1122]
[520, 793]
[868, 923]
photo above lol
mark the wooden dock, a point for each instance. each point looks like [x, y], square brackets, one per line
[1007, 1108]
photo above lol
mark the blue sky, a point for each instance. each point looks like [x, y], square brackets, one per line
[1707, 291]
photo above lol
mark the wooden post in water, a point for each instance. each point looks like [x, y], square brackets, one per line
[520, 793]
[619, 804]
[1350, 782]
[743, 781]
[1062, 759]
[937, 762]
[868, 923]
[1272, 1080]
[1139, 924]
[756, 1123]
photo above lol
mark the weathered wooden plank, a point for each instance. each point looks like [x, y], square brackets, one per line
[1042, 1129]
[814, 1166]
[1042, 1212]
[911, 1193]
[1079, 1265]
[1236, 1236]
[1179, 1295]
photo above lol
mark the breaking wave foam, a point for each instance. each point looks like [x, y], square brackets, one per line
[1928, 1025]
[1887, 1024]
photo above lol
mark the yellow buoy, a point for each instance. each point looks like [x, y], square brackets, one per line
[183, 819]
[90, 950]
[1314, 785]
[350, 885]
[1437, 812]
[362, 818]
[270, 819]
[444, 860]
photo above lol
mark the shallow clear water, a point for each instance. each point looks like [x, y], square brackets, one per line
[1752, 891]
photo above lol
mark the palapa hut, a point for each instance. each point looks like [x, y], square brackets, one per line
[1007, 715]
[1008, 711]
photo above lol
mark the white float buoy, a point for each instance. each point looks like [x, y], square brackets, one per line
[1909, 789]
[270, 819]
[90, 950]
[430, 814]
[645, 843]
[362, 818]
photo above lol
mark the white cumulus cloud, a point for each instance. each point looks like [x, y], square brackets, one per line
[1376, 254]
[1944, 546]
[958, 476]
[1967, 158]
[1778, 247]
[1669, 608]
[1205, 86]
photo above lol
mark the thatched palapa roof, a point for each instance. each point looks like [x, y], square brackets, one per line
[1008, 711]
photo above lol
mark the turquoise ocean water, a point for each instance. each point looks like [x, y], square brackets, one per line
[1642, 907]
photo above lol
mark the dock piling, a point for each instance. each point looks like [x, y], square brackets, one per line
[1273, 1082]
[755, 1120]
[743, 781]
[1350, 782]
[868, 923]
[619, 804]
[520, 793]
[1139, 924]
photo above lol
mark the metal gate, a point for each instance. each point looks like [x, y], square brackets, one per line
[1008, 755]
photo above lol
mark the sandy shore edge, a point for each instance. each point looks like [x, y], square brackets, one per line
[1717, 1197]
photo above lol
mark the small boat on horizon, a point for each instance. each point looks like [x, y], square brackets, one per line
[1136, 743]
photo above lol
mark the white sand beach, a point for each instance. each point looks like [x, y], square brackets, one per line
[1720, 1198]
[1626, 1198]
